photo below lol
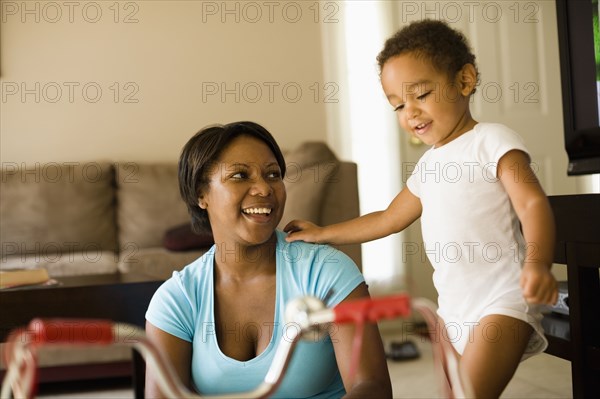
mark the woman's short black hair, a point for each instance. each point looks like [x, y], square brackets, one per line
[201, 153]
[446, 48]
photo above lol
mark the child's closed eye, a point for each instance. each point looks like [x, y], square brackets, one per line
[423, 96]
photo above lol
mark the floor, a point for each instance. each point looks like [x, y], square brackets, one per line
[542, 376]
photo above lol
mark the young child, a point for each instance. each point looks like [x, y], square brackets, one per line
[487, 225]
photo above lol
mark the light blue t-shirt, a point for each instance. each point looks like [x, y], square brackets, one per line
[184, 307]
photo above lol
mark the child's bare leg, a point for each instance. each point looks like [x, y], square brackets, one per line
[491, 358]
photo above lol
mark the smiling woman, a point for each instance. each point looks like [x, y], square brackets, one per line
[242, 184]
[219, 319]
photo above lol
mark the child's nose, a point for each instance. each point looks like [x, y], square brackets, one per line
[412, 109]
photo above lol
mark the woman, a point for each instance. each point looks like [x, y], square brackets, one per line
[220, 319]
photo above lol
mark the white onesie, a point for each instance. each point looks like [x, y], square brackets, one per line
[472, 236]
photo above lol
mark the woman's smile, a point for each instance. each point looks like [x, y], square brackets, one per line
[258, 214]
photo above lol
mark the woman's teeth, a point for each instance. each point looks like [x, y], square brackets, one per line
[260, 211]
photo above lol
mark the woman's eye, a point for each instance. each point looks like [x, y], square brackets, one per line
[274, 175]
[239, 175]
[398, 107]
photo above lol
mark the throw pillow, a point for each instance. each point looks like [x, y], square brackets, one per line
[183, 238]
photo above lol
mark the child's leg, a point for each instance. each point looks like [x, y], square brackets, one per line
[491, 358]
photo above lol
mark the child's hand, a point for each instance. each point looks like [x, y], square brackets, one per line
[302, 230]
[538, 284]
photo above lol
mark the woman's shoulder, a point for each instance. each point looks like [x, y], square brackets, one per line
[193, 275]
[310, 254]
[177, 303]
[318, 269]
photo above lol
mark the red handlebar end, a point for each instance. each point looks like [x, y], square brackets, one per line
[74, 331]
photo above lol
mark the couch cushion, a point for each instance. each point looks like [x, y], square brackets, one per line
[310, 168]
[157, 262]
[66, 263]
[148, 203]
[57, 207]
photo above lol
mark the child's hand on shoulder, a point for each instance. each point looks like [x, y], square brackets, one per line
[302, 230]
[538, 284]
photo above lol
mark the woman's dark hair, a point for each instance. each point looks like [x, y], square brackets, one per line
[446, 48]
[199, 156]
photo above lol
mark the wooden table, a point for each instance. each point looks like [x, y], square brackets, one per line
[117, 297]
[577, 337]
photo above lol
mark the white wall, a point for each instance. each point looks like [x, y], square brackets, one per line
[134, 80]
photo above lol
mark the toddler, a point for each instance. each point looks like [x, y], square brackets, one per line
[487, 225]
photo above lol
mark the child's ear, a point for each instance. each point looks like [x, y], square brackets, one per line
[467, 79]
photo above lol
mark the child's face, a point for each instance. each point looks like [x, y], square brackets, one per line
[429, 105]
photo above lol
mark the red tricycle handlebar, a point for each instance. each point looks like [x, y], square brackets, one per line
[373, 309]
[308, 312]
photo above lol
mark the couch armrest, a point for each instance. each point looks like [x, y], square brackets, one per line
[341, 203]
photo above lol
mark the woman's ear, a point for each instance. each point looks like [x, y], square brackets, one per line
[201, 203]
[467, 79]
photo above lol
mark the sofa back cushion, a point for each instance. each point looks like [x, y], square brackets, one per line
[310, 168]
[57, 208]
[148, 204]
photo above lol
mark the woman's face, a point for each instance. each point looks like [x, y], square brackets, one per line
[246, 195]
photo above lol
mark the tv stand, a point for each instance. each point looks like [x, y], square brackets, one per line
[576, 337]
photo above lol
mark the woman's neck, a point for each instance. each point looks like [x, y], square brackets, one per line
[243, 262]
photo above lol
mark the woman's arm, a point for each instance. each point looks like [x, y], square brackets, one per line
[537, 221]
[402, 211]
[177, 351]
[372, 379]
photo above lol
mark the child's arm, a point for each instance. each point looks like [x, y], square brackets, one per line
[537, 221]
[403, 210]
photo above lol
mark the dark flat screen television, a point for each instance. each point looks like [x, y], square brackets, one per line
[579, 49]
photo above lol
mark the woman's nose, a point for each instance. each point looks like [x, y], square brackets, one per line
[261, 187]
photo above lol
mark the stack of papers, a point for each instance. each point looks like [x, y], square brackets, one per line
[16, 278]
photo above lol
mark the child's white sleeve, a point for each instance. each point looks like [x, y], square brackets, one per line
[414, 181]
[497, 140]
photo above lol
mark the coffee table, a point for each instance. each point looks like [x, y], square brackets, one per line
[120, 297]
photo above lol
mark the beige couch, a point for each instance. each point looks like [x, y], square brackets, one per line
[102, 217]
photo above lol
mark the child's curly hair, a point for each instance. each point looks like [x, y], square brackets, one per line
[446, 48]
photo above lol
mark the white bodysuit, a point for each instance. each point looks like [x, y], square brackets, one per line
[472, 236]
